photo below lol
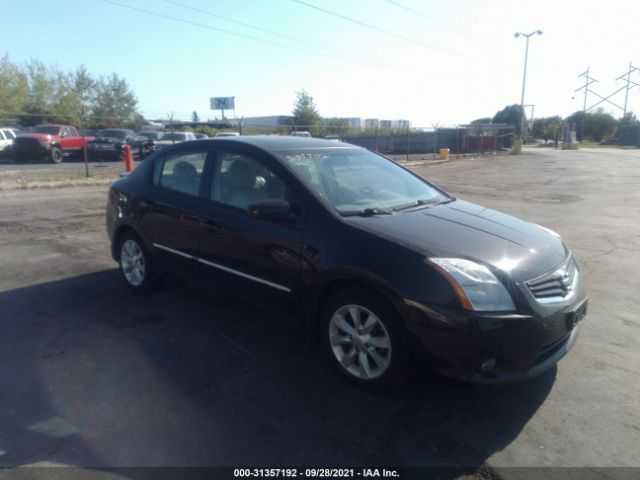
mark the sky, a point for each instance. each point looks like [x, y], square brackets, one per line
[430, 62]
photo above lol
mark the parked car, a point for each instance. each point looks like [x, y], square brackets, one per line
[383, 267]
[155, 135]
[109, 142]
[169, 138]
[301, 134]
[227, 134]
[51, 141]
[7, 135]
[201, 136]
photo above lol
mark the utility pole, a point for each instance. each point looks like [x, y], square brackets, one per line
[524, 75]
[627, 88]
[588, 80]
[173, 139]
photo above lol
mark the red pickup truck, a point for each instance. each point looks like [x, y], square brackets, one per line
[50, 141]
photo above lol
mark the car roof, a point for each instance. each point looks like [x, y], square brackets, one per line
[275, 143]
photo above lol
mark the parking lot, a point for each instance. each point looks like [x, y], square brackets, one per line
[92, 375]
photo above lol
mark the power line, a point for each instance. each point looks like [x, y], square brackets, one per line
[271, 32]
[442, 23]
[241, 35]
[377, 29]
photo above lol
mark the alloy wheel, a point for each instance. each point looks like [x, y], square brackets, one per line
[360, 342]
[132, 262]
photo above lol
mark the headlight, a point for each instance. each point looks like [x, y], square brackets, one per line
[476, 286]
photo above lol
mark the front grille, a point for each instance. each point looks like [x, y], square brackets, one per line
[557, 284]
[26, 143]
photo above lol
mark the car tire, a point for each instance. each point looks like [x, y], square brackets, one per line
[370, 350]
[55, 155]
[137, 265]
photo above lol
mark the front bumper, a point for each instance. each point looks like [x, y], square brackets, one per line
[519, 346]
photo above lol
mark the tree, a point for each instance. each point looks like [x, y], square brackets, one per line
[510, 115]
[599, 125]
[336, 126]
[629, 119]
[481, 121]
[14, 88]
[305, 112]
[115, 103]
[577, 118]
[195, 117]
[546, 127]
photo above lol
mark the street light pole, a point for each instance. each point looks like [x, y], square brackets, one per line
[524, 75]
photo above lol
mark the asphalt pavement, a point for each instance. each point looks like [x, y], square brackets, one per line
[93, 375]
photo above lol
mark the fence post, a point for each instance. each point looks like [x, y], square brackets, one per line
[407, 142]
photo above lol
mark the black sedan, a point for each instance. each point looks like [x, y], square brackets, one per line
[109, 142]
[382, 267]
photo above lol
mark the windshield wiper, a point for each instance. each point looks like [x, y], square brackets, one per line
[422, 203]
[368, 212]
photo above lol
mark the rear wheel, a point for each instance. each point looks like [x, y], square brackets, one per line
[137, 265]
[364, 339]
[55, 155]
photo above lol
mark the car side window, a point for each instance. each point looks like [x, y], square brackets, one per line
[240, 180]
[72, 132]
[181, 171]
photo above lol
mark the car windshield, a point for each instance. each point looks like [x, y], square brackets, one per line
[357, 181]
[110, 133]
[46, 129]
[150, 135]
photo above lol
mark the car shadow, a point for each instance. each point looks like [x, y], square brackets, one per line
[95, 375]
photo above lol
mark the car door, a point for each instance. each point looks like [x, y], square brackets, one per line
[255, 260]
[4, 140]
[170, 219]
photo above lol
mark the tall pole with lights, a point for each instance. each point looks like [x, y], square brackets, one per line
[524, 75]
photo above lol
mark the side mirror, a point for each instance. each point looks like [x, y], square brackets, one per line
[271, 209]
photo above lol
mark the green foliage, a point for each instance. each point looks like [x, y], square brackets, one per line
[481, 121]
[547, 128]
[629, 119]
[337, 126]
[510, 115]
[35, 93]
[594, 126]
[115, 104]
[306, 114]
[14, 88]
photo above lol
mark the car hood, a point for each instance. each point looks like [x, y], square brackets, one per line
[461, 229]
[38, 136]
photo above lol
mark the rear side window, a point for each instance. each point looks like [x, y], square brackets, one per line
[181, 172]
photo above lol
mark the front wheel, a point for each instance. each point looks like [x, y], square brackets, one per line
[364, 339]
[56, 155]
[136, 265]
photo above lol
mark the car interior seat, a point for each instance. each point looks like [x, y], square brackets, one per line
[241, 185]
